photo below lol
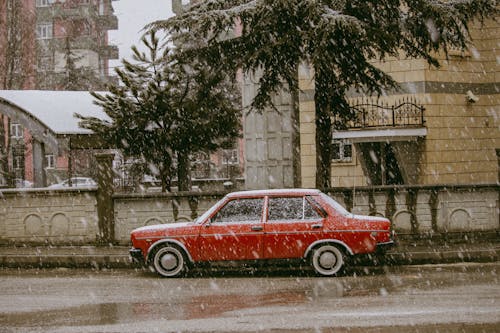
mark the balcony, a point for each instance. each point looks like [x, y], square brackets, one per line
[371, 122]
[81, 42]
[109, 52]
[73, 12]
[107, 22]
[405, 114]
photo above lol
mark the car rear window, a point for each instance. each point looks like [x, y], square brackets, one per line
[291, 209]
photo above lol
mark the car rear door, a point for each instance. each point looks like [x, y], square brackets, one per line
[234, 232]
[293, 223]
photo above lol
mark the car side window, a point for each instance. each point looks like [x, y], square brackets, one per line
[240, 210]
[291, 209]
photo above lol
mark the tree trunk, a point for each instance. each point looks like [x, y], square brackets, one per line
[4, 163]
[183, 171]
[166, 174]
[323, 131]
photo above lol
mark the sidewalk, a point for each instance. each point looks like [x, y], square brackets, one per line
[117, 256]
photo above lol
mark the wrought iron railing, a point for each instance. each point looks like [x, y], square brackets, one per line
[404, 113]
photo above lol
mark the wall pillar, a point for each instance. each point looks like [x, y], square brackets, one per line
[39, 176]
[105, 206]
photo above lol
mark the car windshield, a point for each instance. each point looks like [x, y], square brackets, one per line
[338, 207]
[209, 212]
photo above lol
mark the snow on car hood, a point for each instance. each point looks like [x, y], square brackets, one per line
[163, 226]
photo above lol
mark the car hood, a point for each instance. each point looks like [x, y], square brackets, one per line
[165, 229]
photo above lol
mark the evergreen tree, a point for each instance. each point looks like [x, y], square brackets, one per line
[337, 38]
[77, 77]
[166, 109]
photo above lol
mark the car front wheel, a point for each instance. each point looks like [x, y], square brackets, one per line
[169, 261]
[327, 260]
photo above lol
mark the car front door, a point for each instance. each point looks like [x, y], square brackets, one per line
[235, 231]
[293, 223]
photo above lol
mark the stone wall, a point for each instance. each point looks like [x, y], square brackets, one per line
[48, 217]
[136, 210]
[428, 210]
[64, 217]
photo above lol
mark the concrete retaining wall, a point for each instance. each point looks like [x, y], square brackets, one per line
[41, 216]
[132, 211]
[428, 209]
[70, 216]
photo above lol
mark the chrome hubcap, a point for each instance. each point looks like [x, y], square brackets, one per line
[327, 260]
[169, 261]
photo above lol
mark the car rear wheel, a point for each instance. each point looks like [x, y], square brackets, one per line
[169, 261]
[327, 260]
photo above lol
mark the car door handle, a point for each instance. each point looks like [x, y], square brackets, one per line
[257, 228]
[317, 226]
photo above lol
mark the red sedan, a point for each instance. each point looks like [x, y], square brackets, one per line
[263, 225]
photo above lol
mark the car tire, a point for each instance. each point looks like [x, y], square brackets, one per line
[169, 261]
[327, 260]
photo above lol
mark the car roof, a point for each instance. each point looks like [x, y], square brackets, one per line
[274, 192]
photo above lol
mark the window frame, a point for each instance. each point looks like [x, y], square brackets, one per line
[44, 30]
[16, 131]
[342, 144]
[50, 161]
[43, 3]
[306, 202]
[230, 156]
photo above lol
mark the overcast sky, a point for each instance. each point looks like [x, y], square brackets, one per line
[133, 15]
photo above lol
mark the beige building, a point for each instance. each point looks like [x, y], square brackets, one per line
[443, 127]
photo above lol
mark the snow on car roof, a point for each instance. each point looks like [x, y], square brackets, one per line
[288, 191]
[56, 109]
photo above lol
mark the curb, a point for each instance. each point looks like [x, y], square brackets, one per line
[98, 258]
[68, 261]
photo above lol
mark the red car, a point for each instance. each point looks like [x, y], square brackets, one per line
[263, 225]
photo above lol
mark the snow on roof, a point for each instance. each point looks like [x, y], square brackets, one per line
[56, 109]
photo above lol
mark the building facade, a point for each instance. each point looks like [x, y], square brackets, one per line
[441, 127]
[56, 44]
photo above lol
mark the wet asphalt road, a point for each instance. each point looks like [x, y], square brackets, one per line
[431, 298]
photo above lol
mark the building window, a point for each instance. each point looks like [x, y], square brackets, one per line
[230, 157]
[45, 64]
[18, 162]
[44, 3]
[44, 31]
[18, 158]
[101, 7]
[50, 161]
[342, 151]
[16, 131]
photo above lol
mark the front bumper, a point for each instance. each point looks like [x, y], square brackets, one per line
[136, 255]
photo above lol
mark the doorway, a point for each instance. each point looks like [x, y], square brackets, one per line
[380, 163]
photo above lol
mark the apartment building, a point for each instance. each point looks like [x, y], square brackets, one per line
[56, 44]
[49, 45]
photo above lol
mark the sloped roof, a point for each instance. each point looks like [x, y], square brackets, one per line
[56, 109]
